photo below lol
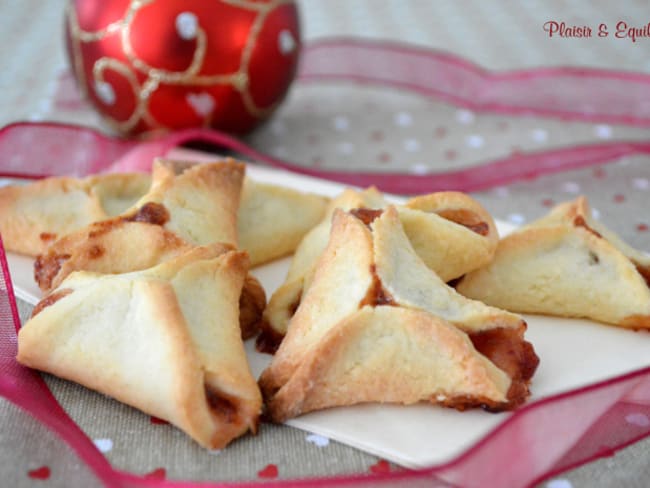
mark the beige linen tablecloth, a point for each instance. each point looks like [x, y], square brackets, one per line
[341, 125]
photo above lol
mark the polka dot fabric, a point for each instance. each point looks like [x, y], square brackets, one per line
[353, 127]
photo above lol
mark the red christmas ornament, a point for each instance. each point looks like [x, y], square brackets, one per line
[159, 65]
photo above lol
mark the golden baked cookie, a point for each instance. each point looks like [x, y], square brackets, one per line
[34, 215]
[570, 265]
[165, 340]
[186, 206]
[377, 325]
[452, 233]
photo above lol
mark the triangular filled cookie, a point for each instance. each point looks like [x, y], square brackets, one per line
[376, 319]
[566, 264]
[450, 232]
[165, 340]
[34, 215]
[187, 205]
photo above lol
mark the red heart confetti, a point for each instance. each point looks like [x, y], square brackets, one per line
[157, 474]
[599, 173]
[642, 227]
[157, 421]
[548, 202]
[450, 154]
[41, 473]
[618, 198]
[380, 467]
[270, 471]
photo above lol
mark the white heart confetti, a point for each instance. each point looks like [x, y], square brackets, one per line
[104, 445]
[559, 483]
[341, 123]
[501, 192]
[403, 119]
[571, 187]
[318, 440]
[105, 92]
[465, 117]
[286, 42]
[638, 419]
[202, 103]
[346, 148]
[641, 183]
[603, 131]
[419, 169]
[516, 218]
[474, 141]
[412, 145]
[187, 25]
[539, 135]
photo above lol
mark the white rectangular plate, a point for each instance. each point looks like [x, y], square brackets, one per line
[573, 353]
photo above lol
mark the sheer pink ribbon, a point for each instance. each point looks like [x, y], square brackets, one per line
[577, 426]
[34, 150]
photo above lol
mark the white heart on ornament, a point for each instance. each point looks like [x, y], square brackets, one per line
[202, 103]
[187, 25]
[318, 440]
[638, 419]
[104, 445]
[105, 92]
[286, 42]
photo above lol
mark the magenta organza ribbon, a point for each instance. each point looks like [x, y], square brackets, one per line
[34, 150]
[538, 440]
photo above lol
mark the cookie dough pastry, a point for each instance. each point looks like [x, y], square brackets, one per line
[186, 206]
[273, 220]
[566, 264]
[451, 232]
[34, 215]
[164, 340]
[377, 325]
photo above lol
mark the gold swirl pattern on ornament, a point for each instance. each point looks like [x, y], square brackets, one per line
[156, 76]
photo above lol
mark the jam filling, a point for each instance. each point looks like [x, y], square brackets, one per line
[268, 341]
[222, 406]
[376, 294]
[251, 305]
[150, 213]
[366, 215]
[511, 354]
[47, 236]
[579, 221]
[467, 219]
